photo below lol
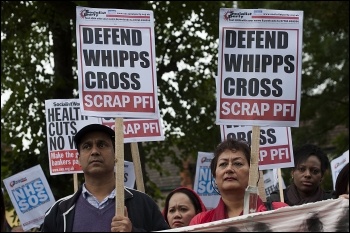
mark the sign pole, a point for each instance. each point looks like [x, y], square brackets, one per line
[119, 166]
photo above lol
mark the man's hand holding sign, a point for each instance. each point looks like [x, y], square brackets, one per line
[117, 71]
[116, 79]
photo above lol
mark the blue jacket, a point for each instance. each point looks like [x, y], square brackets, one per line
[143, 212]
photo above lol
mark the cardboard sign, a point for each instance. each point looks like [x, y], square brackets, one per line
[324, 216]
[31, 196]
[259, 67]
[116, 62]
[337, 164]
[275, 147]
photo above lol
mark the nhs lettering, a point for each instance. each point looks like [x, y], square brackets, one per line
[205, 187]
[31, 195]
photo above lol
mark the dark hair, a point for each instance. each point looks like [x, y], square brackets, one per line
[232, 145]
[191, 195]
[342, 181]
[302, 153]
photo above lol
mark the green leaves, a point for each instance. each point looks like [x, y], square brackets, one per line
[39, 62]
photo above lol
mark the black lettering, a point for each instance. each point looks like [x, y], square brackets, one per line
[91, 58]
[136, 36]
[106, 57]
[98, 35]
[253, 88]
[90, 80]
[270, 39]
[241, 39]
[248, 63]
[277, 92]
[266, 60]
[102, 80]
[250, 39]
[259, 39]
[228, 83]
[50, 115]
[123, 56]
[272, 137]
[113, 79]
[241, 87]
[124, 84]
[290, 66]
[88, 36]
[266, 90]
[282, 40]
[230, 39]
[136, 85]
[145, 61]
[277, 61]
[231, 62]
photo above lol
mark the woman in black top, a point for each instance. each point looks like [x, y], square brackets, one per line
[310, 164]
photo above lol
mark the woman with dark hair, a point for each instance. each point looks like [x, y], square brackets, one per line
[181, 205]
[230, 169]
[310, 165]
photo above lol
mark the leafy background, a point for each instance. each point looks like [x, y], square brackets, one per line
[38, 62]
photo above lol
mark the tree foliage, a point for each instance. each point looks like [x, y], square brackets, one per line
[38, 62]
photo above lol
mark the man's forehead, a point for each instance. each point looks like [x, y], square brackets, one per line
[97, 135]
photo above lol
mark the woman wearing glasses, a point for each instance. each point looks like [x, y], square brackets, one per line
[230, 169]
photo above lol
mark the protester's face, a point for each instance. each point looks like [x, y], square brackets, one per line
[180, 211]
[232, 171]
[96, 153]
[307, 176]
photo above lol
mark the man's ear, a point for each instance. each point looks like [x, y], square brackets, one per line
[79, 160]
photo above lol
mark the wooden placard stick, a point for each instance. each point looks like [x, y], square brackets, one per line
[137, 166]
[254, 159]
[75, 181]
[251, 193]
[119, 166]
[280, 187]
[261, 187]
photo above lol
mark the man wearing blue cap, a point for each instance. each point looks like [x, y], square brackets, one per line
[92, 207]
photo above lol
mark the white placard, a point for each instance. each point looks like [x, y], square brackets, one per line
[31, 196]
[116, 62]
[337, 164]
[259, 67]
[203, 184]
[275, 145]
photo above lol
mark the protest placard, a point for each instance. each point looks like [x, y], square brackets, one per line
[30, 195]
[259, 67]
[337, 164]
[116, 62]
[275, 144]
[138, 130]
[63, 121]
[203, 185]
[330, 215]
[117, 70]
